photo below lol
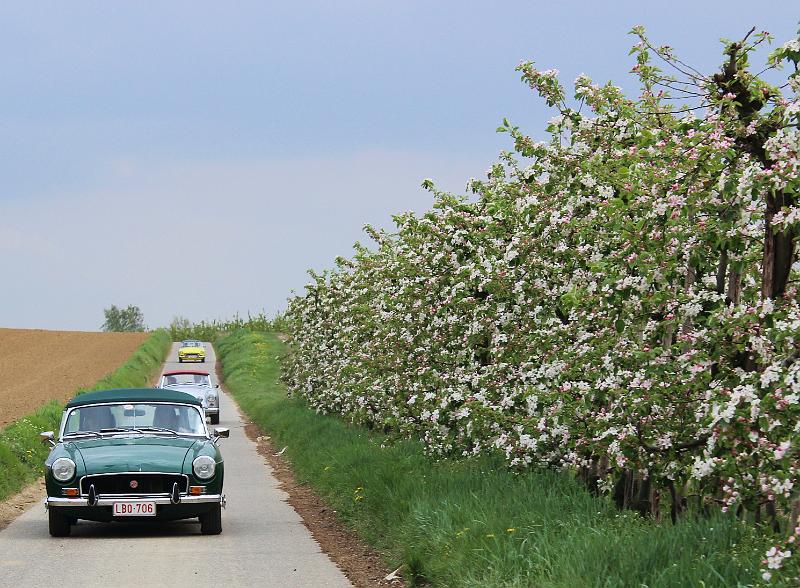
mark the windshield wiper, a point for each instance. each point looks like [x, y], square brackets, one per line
[95, 433]
[120, 430]
[159, 429]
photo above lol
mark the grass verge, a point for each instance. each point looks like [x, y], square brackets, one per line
[474, 523]
[21, 451]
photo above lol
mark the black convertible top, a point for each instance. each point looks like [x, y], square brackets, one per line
[133, 395]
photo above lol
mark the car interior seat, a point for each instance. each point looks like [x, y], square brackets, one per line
[95, 418]
[165, 418]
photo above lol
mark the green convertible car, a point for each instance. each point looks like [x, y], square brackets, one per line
[134, 455]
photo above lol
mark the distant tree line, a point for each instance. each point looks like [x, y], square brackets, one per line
[123, 320]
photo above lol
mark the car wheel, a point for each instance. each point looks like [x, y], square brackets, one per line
[58, 524]
[203, 360]
[211, 522]
[214, 419]
[180, 360]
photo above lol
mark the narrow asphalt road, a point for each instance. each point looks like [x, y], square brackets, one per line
[263, 541]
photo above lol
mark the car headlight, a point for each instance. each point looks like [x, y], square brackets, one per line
[212, 399]
[63, 469]
[204, 467]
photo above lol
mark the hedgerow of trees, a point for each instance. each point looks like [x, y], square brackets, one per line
[620, 299]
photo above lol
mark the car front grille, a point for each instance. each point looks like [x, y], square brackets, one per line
[145, 483]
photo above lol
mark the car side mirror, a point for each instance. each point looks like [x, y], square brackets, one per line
[47, 437]
[222, 432]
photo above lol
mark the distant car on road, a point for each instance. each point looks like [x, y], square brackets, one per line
[137, 455]
[198, 384]
[191, 350]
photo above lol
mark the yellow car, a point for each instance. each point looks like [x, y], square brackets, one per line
[191, 350]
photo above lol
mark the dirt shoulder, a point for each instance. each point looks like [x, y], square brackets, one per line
[15, 505]
[362, 565]
[38, 366]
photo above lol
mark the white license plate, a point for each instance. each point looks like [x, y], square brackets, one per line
[134, 509]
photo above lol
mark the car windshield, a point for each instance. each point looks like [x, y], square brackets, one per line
[183, 379]
[191, 344]
[156, 418]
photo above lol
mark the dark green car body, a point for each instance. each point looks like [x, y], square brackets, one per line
[150, 466]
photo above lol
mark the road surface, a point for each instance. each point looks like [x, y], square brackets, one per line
[263, 541]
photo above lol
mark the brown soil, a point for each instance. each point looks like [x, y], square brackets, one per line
[15, 505]
[39, 366]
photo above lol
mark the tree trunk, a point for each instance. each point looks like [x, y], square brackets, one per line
[644, 498]
[768, 263]
[589, 476]
[678, 501]
[734, 287]
[619, 490]
[691, 276]
[784, 258]
[656, 505]
[666, 338]
[722, 270]
[778, 250]
[795, 515]
[773, 516]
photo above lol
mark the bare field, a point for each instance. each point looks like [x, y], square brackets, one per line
[37, 366]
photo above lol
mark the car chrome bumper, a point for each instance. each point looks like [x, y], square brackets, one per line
[52, 501]
[212, 410]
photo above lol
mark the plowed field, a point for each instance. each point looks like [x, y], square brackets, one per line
[37, 366]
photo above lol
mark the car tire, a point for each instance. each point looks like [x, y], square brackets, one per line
[211, 522]
[180, 360]
[203, 360]
[214, 419]
[57, 524]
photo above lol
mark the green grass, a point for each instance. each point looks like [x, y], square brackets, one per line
[475, 523]
[22, 453]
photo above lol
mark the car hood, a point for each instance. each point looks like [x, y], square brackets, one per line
[191, 350]
[134, 454]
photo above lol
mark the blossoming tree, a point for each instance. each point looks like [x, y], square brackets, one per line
[620, 299]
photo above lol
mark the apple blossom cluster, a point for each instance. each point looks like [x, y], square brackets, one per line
[598, 301]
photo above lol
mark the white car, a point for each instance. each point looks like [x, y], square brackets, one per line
[198, 384]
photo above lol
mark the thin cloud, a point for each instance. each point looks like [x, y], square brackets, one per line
[204, 239]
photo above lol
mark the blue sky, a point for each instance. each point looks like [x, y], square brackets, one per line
[195, 158]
